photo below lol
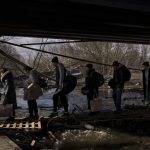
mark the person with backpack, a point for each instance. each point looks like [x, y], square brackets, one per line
[120, 76]
[93, 81]
[60, 92]
[32, 91]
[146, 82]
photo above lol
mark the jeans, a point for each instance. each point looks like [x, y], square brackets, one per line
[117, 93]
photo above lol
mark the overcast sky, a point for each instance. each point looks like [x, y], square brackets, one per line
[24, 40]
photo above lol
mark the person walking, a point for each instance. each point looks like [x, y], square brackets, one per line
[120, 76]
[93, 81]
[32, 91]
[60, 93]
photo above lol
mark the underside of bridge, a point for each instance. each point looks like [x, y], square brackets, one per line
[104, 20]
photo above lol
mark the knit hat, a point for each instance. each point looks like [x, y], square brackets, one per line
[89, 66]
[55, 60]
[146, 63]
[27, 68]
[115, 63]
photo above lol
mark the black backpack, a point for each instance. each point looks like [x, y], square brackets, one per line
[42, 83]
[126, 73]
[70, 83]
[111, 83]
[99, 79]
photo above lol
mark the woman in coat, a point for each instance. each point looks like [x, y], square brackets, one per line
[32, 91]
[9, 88]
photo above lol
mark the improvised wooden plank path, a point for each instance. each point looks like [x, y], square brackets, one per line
[21, 125]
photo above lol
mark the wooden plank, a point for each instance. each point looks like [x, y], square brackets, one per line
[1, 125]
[11, 125]
[38, 125]
[23, 125]
[31, 125]
[19, 126]
[26, 125]
[4, 126]
[7, 125]
[14, 125]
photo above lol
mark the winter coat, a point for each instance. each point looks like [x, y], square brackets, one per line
[9, 88]
[32, 89]
[118, 78]
[90, 80]
[146, 87]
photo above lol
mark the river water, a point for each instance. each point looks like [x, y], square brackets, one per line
[45, 103]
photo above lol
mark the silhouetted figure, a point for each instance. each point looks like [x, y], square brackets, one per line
[93, 81]
[146, 82]
[9, 88]
[120, 76]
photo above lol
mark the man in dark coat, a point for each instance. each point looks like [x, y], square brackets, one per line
[60, 88]
[118, 80]
[9, 88]
[146, 82]
[91, 84]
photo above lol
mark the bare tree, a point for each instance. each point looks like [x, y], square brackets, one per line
[7, 62]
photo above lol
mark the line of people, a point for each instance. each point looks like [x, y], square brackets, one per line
[120, 75]
[65, 84]
[32, 89]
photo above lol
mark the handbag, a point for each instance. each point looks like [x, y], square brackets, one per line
[96, 104]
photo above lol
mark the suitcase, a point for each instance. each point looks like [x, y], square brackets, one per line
[96, 105]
